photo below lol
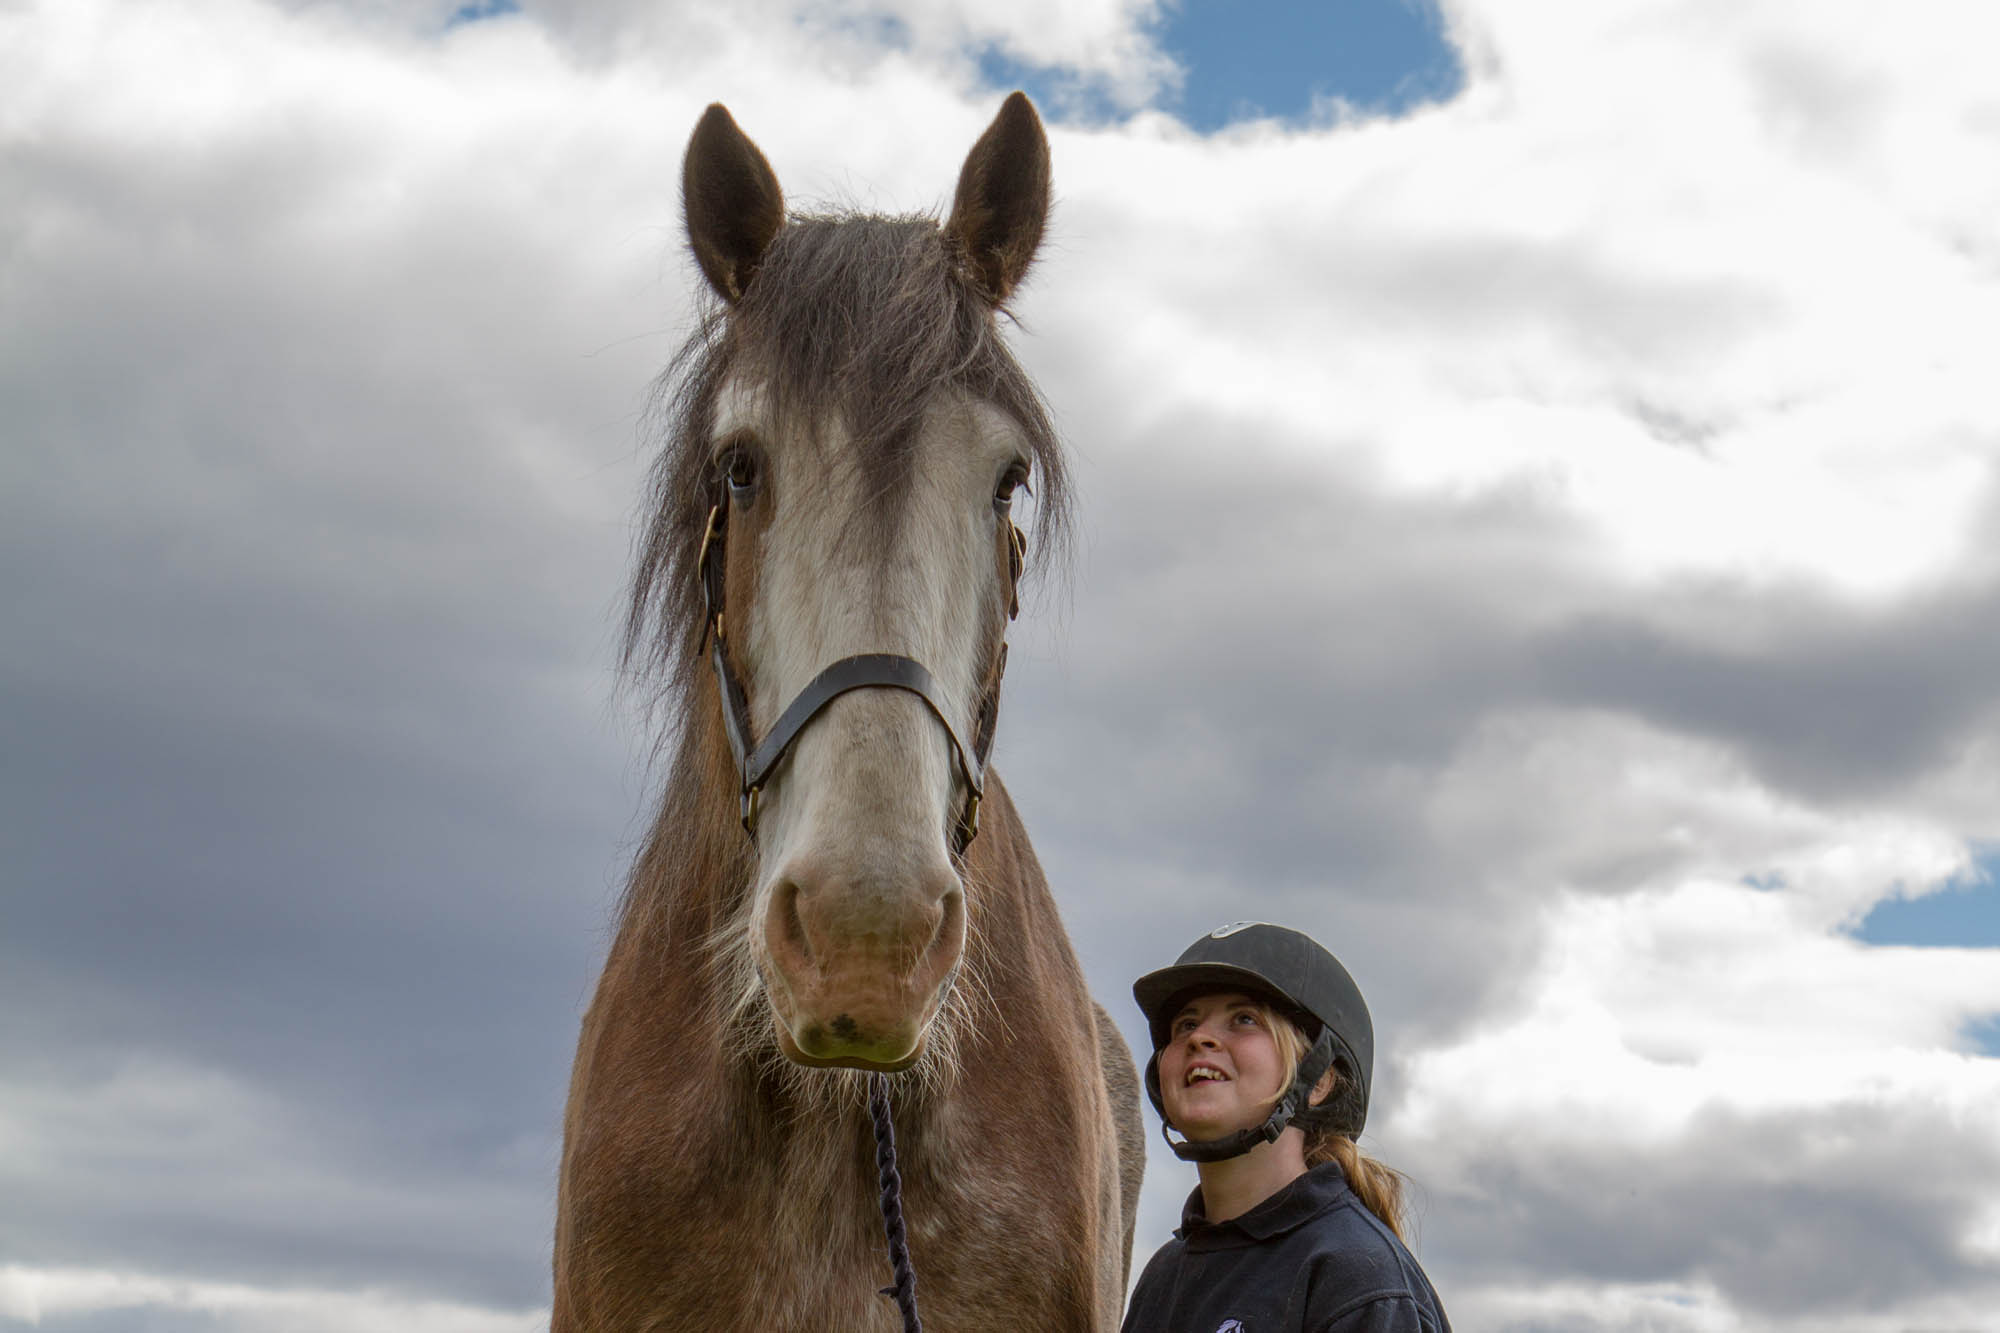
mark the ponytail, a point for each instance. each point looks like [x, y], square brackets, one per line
[1379, 1187]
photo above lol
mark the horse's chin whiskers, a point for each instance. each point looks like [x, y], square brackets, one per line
[974, 1008]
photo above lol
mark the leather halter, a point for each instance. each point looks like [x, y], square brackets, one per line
[756, 760]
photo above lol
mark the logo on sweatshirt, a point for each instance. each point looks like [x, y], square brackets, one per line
[1231, 1326]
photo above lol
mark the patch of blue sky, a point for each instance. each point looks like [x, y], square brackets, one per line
[1257, 59]
[1964, 915]
[1983, 1035]
[475, 10]
[1247, 59]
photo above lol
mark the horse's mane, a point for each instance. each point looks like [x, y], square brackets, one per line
[868, 317]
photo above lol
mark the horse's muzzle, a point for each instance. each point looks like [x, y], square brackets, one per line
[856, 969]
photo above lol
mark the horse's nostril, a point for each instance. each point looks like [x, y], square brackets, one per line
[790, 922]
[950, 932]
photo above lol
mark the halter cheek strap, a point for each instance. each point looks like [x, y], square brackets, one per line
[756, 760]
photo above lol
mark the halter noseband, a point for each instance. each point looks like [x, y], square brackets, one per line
[755, 760]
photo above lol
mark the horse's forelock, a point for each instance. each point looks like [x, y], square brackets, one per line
[864, 317]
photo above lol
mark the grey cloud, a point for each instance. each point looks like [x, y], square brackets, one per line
[120, 1321]
[1321, 651]
[1835, 703]
[311, 779]
[1267, 669]
[1753, 1202]
[1261, 675]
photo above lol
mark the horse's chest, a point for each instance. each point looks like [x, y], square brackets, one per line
[814, 1257]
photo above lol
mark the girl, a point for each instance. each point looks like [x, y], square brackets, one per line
[1262, 1053]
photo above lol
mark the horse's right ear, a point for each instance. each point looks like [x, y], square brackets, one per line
[731, 200]
[1003, 200]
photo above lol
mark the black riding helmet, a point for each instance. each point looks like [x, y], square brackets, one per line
[1305, 983]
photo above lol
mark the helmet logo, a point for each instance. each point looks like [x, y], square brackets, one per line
[1224, 932]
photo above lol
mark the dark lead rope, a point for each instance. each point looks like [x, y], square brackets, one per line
[905, 1288]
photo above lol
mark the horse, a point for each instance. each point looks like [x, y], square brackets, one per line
[833, 888]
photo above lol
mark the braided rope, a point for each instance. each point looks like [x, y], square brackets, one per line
[905, 1288]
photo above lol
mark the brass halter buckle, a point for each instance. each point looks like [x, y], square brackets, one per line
[1017, 560]
[708, 537]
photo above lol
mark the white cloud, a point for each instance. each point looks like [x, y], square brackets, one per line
[36, 1296]
[1611, 279]
[1669, 1307]
[1653, 1011]
[1698, 1034]
[1106, 42]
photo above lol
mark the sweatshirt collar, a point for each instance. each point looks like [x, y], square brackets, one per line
[1295, 1204]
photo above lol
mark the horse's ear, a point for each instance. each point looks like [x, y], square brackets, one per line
[1003, 200]
[731, 200]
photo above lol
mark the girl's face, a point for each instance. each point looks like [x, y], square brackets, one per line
[1220, 1070]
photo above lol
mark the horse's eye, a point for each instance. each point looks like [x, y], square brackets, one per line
[739, 470]
[1015, 478]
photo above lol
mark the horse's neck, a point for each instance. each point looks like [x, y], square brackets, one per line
[694, 870]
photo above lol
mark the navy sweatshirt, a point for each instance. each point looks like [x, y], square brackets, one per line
[1309, 1259]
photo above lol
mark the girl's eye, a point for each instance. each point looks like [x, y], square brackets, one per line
[1014, 479]
[1246, 1019]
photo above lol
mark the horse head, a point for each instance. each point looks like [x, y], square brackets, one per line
[856, 435]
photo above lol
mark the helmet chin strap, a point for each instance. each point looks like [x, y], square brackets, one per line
[1297, 1098]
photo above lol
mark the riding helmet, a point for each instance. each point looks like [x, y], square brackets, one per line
[1301, 980]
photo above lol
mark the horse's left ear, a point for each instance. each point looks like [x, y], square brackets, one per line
[731, 200]
[1003, 200]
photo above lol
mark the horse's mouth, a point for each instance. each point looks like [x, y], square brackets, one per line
[841, 1045]
[856, 994]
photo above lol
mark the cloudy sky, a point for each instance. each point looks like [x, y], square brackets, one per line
[1539, 468]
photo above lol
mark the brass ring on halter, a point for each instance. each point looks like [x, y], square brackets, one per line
[970, 820]
[750, 809]
[708, 536]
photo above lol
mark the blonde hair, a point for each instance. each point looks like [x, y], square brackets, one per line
[1378, 1187]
